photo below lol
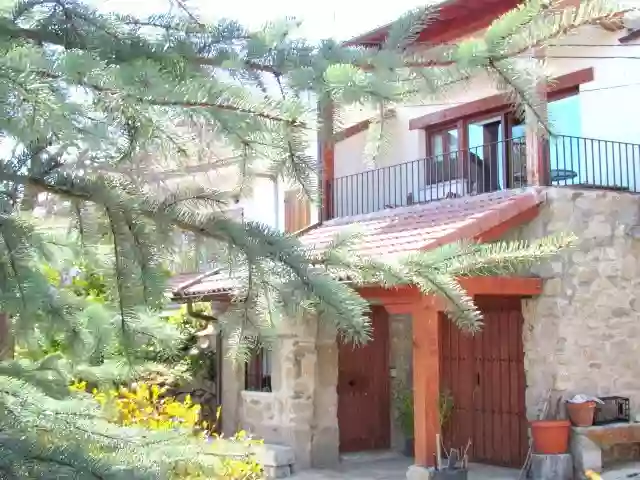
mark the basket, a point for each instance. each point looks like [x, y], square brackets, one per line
[612, 410]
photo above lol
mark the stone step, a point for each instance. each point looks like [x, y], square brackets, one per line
[278, 461]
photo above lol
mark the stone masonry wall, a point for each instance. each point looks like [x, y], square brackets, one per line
[400, 361]
[582, 334]
[301, 411]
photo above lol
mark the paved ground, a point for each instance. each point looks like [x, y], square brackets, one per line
[393, 467]
[629, 471]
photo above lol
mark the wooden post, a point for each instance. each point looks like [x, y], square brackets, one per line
[426, 382]
[326, 155]
[537, 147]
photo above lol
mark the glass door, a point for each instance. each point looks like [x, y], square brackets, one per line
[516, 164]
[442, 164]
[484, 163]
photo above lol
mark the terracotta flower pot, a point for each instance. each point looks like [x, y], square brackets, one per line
[550, 437]
[581, 414]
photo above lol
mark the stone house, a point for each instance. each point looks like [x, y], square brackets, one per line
[469, 168]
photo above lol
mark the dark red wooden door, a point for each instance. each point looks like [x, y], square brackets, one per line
[484, 375]
[364, 415]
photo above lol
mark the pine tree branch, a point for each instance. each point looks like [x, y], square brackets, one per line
[163, 102]
[445, 56]
[181, 5]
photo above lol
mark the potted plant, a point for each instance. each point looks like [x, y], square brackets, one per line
[404, 415]
[446, 407]
[455, 465]
[551, 435]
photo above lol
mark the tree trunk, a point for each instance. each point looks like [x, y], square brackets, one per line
[7, 345]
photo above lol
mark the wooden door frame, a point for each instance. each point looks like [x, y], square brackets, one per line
[461, 377]
[461, 116]
[424, 312]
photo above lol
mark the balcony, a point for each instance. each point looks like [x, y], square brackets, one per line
[577, 161]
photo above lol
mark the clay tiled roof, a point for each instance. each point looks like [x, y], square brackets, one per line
[396, 231]
[403, 230]
[193, 285]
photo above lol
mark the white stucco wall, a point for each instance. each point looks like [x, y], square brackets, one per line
[607, 108]
[264, 203]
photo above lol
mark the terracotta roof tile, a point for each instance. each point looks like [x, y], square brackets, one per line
[418, 227]
[396, 231]
[221, 283]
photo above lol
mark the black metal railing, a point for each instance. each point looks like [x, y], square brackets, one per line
[594, 163]
[487, 168]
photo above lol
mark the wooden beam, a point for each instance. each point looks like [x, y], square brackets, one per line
[397, 300]
[354, 129]
[453, 19]
[468, 19]
[426, 383]
[499, 231]
[573, 80]
[502, 286]
[359, 127]
[536, 146]
[326, 156]
[557, 86]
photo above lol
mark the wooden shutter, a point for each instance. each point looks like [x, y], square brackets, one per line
[297, 211]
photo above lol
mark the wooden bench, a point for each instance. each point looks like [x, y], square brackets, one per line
[588, 443]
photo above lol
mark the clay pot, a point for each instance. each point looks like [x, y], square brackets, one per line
[581, 414]
[550, 437]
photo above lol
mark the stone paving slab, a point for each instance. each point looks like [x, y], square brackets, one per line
[629, 471]
[395, 469]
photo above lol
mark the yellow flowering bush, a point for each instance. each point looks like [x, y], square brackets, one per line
[146, 406]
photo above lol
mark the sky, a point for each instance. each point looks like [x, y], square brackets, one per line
[341, 19]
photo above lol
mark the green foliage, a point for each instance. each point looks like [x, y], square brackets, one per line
[147, 406]
[119, 101]
[446, 407]
[100, 113]
[198, 360]
[54, 437]
[403, 405]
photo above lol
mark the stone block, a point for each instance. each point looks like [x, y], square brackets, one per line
[325, 452]
[552, 467]
[276, 455]
[587, 455]
[277, 472]
[416, 472]
[278, 461]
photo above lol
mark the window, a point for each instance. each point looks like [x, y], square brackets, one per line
[443, 144]
[257, 373]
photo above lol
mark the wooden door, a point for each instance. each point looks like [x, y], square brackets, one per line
[484, 376]
[364, 415]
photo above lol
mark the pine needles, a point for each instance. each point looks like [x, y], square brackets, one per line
[98, 108]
